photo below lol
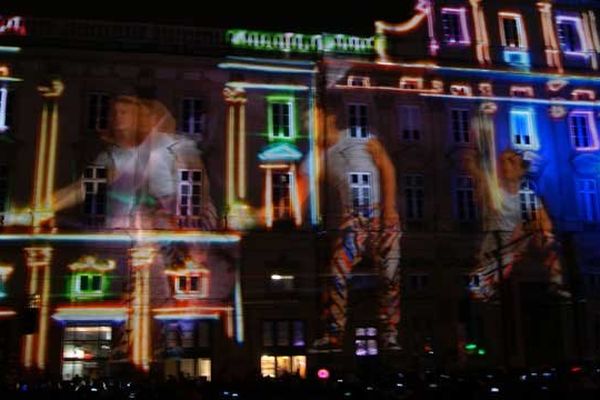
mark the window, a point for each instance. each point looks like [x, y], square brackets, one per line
[282, 203]
[410, 123]
[465, 199]
[459, 122]
[582, 127]
[193, 116]
[357, 121]
[408, 83]
[273, 366]
[418, 282]
[4, 109]
[88, 284]
[191, 367]
[98, 106]
[454, 24]
[94, 188]
[281, 118]
[413, 195]
[189, 205]
[360, 190]
[86, 350]
[3, 188]
[528, 200]
[522, 128]
[587, 196]
[5, 272]
[192, 284]
[366, 342]
[283, 334]
[521, 91]
[359, 81]
[512, 31]
[570, 33]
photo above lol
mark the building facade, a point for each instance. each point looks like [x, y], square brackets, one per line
[83, 297]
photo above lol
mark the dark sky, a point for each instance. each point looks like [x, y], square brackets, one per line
[294, 15]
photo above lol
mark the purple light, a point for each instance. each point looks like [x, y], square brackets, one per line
[323, 373]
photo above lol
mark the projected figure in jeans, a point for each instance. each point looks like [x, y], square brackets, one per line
[362, 183]
[511, 225]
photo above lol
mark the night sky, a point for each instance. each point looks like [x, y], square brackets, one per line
[293, 15]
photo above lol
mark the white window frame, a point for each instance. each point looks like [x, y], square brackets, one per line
[358, 187]
[286, 212]
[521, 33]
[289, 123]
[365, 341]
[357, 114]
[590, 128]
[96, 196]
[464, 136]
[528, 200]
[587, 199]
[193, 213]
[187, 292]
[518, 138]
[410, 121]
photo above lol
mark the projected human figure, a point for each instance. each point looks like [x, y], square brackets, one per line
[362, 183]
[146, 162]
[509, 232]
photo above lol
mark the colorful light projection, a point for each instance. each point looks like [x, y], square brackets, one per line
[300, 43]
[100, 312]
[88, 280]
[191, 281]
[5, 272]
[552, 50]
[12, 25]
[516, 47]
[140, 259]
[482, 42]
[423, 11]
[147, 237]
[38, 267]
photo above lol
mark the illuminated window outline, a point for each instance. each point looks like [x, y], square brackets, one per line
[459, 124]
[414, 195]
[464, 199]
[528, 200]
[583, 95]
[189, 191]
[521, 91]
[185, 279]
[462, 36]
[587, 199]
[273, 366]
[195, 123]
[98, 106]
[520, 30]
[365, 341]
[5, 271]
[358, 121]
[359, 81]
[94, 186]
[410, 122]
[268, 193]
[283, 210]
[577, 22]
[461, 90]
[290, 132]
[517, 138]
[4, 107]
[411, 83]
[361, 192]
[584, 136]
[92, 271]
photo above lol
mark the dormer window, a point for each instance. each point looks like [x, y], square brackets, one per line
[88, 280]
[191, 281]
